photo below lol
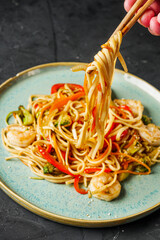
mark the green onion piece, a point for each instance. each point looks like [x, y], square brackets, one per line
[146, 120]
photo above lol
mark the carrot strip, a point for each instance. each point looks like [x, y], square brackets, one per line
[72, 158]
[135, 173]
[61, 102]
[95, 169]
[117, 146]
[125, 165]
[103, 154]
[133, 138]
[132, 160]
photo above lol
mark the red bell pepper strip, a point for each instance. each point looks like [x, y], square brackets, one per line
[55, 87]
[63, 101]
[76, 186]
[111, 128]
[63, 154]
[125, 107]
[52, 160]
[49, 147]
[113, 138]
[124, 133]
[95, 169]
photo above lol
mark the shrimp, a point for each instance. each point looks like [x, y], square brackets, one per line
[21, 136]
[100, 181]
[135, 105]
[151, 134]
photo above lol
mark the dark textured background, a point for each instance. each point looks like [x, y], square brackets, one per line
[33, 32]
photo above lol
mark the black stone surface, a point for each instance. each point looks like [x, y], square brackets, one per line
[33, 32]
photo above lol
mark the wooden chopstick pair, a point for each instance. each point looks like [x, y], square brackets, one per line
[132, 16]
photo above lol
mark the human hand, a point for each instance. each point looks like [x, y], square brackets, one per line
[151, 17]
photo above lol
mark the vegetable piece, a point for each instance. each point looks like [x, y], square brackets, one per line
[132, 159]
[49, 147]
[134, 147]
[76, 186]
[124, 133]
[48, 168]
[65, 120]
[95, 169]
[148, 148]
[76, 86]
[141, 169]
[125, 107]
[51, 160]
[146, 160]
[24, 114]
[112, 127]
[63, 154]
[123, 176]
[63, 101]
[104, 153]
[27, 116]
[55, 87]
[146, 120]
[131, 141]
[115, 146]
[12, 113]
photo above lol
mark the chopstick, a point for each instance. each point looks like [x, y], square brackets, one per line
[132, 16]
[128, 21]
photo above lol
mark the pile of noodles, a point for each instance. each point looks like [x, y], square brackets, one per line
[87, 142]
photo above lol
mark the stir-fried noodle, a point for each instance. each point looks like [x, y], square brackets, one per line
[78, 134]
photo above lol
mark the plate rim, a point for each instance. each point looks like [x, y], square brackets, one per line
[59, 218]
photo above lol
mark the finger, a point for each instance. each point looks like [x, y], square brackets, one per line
[154, 27]
[155, 6]
[146, 18]
[128, 4]
[158, 18]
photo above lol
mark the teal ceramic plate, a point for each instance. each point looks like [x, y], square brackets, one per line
[140, 194]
